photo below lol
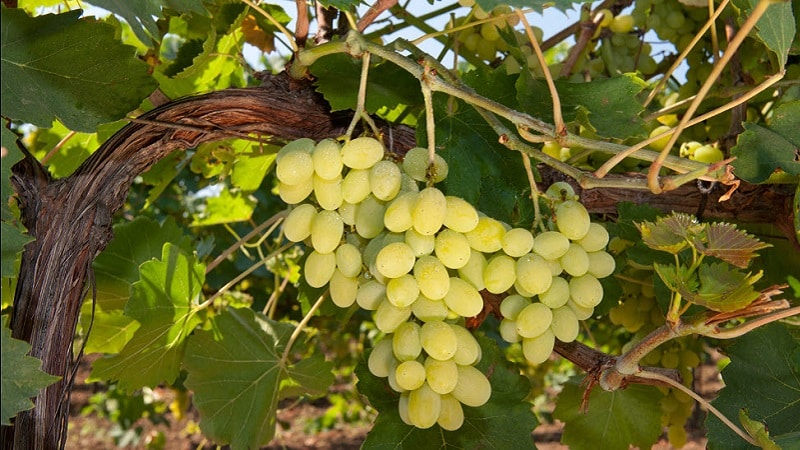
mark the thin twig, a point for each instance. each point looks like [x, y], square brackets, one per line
[751, 325]
[537, 214]
[300, 326]
[373, 12]
[301, 27]
[362, 94]
[274, 220]
[58, 146]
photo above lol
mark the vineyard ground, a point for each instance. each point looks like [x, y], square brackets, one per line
[93, 432]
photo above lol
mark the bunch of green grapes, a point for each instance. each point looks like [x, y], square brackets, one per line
[637, 310]
[623, 51]
[672, 20]
[484, 39]
[386, 239]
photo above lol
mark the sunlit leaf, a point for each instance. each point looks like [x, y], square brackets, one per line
[759, 151]
[109, 331]
[13, 242]
[226, 207]
[22, 377]
[731, 245]
[164, 301]
[618, 419]
[236, 373]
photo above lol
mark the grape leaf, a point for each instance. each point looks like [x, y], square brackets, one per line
[75, 70]
[757, 431]
[338, 78]
[618, 419]
[611, 103]
[776, 28]
[730, 245]
[236, 373]
[759, 151]
[109, 331]
[164, 301]
[763, 377]
[679, 279]
[537, 5]
[10, 156]
[141, 15]
[13, 243]
[670, 233]
[249, 170]
[505, 421]
[629, 213]
[722, 288]
[22, 376]
[226, 207]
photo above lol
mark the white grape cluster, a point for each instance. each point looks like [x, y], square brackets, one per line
[484, 39]
[419, 259]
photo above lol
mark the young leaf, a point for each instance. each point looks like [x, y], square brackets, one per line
[22, 376]
[759, 150]
[730, 244]
[764, 378]
[164, 301]
[618, 419]
[55, 66]
[236, 373]
[722, 288]
[678, 279]
[505, 421]
[664, 234]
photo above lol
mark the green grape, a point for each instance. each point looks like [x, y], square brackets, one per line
[460, 215]
[415, 164]
[557, 295]
[489, 31]
[452, 249]
[499, 274]
[369, 217]
[326, 231]
[708, 154]
[371, 295]
[355, 186]
[294, 194]
[348, 260]
[327, 159]
[575, 262]
[551, 245]
[381, 358]
[512, 305]
[319, 268]
[421, 245]
[508, 331]
[533, 320]
[428, 310]
[560, 190]
[429, 211]
[572, 219]
[472, 388]
[468, 351]
[661, 142]
[582, 313]
[538, 349]
[565, 325]
[533, 274]
[442, 376]
[410, 375]
[622, 24]
[585, 291]
[463, 299]
[388, 317]
[555, 267]
[596, 238]
[362, 153]
[472, 272]
[402, 291]
[439, 340]
[487, 236]
[432, 277]
[328, 192]
[343, 289]
[348, 213]
[517, 242]
[451, 416]
[670, 359]
[398, 213]
[424, 406]
[406, 343]
[402, 409]
[408, 184]
[295, 168]
[384, 179]
[601, 264]
[392, 378]
[677, 436]
[395, 259]
[297, 225]
[486, 50]
[298, 145]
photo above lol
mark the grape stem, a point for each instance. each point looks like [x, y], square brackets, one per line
[271, 223]
[588, 28]
[360, 112]
[300, 327]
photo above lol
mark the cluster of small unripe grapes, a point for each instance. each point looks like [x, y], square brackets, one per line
[484, 39]
[624, 51]
[696, 151]
[670, 19]
[385, 238]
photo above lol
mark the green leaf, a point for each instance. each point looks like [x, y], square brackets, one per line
[678, 279]
[670, 233]
[140, 15]
[731, 245]
[776, 28]
[618, 420]
[164, 301]
[505, 421]
[629, 213]
[11, 155]
[226, 207]
[757, 430]
[611, 104]
[338, 78]
[13, 243]
[722, 288]
[236, 373]
[109, 331]
[764, 378]
[249, 170]
[759, 151]
[55, 66]
[538, 5]
[21, 374]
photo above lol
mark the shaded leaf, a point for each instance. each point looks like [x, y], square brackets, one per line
[764, 378]
[759, 151]
[141, 16]
[505, 421]
[776, 28]
[22, 377]
[731, 245]
[164, 301]
[13, 242]
[236, 373]
[618, 420]
[628, 214]
[54, 66]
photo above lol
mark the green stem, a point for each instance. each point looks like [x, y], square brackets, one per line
[300, 327]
